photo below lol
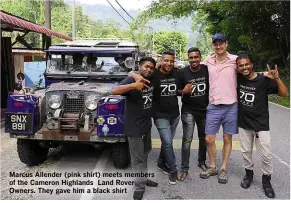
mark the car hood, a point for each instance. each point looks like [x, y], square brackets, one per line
[102, 88]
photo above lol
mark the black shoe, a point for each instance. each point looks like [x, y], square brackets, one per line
[137, 195]
[151, 183]
[163, 168]
[173, 178]
[248, 179]
[266, 181]
[202, 165]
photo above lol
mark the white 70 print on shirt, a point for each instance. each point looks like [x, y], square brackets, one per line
[198, 90]
[168, 89]
[247, 98]
[147, 101]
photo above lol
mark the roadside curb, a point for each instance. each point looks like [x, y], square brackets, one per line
[280, 105]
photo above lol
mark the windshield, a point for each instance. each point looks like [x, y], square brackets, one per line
[89, 63]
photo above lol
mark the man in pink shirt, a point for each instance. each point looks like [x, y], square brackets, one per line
[222, 108]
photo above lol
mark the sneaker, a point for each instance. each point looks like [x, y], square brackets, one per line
[210, 171]
[163, 168]
[137, 195]
[173, 178]
[151, 183]
[222, 176]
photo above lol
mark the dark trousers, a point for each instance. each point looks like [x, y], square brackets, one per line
[188, 122]
[139, 148]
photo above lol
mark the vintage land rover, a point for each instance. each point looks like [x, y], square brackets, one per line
[76, 105]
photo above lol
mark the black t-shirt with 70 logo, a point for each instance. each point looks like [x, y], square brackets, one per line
[197, 101]
[253, 111]
[138, 110]
[165, 101]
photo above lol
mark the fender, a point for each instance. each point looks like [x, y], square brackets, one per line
[22, 114]
[110, 116]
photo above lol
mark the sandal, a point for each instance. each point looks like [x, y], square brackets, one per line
[203, 166]
[222, 176]
[182, 175]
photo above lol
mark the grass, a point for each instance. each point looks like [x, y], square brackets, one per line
[284, 101]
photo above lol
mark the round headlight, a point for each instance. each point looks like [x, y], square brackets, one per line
[129, 62]
[91, 104]
[54, 101]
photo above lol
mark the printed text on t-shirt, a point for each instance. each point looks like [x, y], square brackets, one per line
[247, 95]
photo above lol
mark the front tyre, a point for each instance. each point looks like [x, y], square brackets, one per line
[120, 155]
[30, 152]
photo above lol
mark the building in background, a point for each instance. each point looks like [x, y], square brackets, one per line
[12, 62]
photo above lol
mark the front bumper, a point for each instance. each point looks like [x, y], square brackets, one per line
[65, 135]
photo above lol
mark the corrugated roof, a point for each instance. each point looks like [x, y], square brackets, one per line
[9, 21]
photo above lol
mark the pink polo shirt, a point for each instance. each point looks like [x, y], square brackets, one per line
[222, 80]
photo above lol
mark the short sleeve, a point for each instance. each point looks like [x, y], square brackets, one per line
[127, 81]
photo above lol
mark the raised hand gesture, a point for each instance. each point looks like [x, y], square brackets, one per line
[272, 74]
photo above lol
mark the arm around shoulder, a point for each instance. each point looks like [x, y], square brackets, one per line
[122, 89]
[135, 75]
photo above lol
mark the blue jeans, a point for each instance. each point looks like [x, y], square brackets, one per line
[167, 130]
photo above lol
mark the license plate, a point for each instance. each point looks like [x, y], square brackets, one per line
[19, 122]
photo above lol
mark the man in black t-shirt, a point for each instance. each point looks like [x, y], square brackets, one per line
[194, 87]
[138, 112]
[166, 111]
[253, 121]
[166, 117]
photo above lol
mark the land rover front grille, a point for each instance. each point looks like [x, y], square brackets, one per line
[74, 105]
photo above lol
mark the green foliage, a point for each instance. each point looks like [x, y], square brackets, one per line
[260, 28]
[170, 41]
[284, 101]
[30, 10]
[253, 26]
[61, 21]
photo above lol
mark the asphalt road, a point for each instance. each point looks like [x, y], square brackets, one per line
[87, 159]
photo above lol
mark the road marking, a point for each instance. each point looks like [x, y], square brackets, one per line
[283, 162]
[99, 167]
[177, 143]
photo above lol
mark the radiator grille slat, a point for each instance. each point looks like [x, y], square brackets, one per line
[74, 105]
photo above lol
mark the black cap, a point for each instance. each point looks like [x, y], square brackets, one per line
[219, 36]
